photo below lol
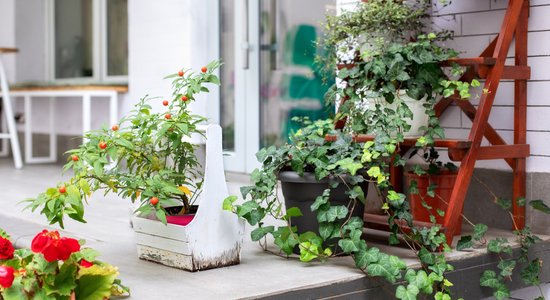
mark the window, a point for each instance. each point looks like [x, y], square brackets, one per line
[90, 40]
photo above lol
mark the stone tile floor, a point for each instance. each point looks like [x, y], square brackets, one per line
[260, 274]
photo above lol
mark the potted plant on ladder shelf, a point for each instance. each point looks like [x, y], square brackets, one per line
[149, 158]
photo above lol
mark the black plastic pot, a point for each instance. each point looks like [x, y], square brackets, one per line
[301, 192]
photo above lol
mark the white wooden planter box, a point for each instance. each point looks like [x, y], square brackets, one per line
[212, 239]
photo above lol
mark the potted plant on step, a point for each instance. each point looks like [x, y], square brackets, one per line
[150, 158]
[324, 186]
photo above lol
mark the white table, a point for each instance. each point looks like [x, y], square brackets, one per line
[85, 92]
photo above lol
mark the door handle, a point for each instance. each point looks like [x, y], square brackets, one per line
[245, 43]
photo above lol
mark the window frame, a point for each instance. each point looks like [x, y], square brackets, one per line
[99, 47]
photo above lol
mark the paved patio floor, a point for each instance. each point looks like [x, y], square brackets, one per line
[259, 275]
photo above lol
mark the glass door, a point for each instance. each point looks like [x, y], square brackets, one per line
[270, 77]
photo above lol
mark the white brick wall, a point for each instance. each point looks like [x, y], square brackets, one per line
[475, 23]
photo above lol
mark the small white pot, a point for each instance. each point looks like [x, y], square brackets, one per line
[420, 118]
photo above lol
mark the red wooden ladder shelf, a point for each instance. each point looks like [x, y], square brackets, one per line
[491, 67]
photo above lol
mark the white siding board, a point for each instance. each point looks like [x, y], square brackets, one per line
[482, 23]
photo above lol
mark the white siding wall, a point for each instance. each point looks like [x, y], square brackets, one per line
[475, 23]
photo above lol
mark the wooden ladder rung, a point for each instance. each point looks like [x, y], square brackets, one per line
[411, 142]
[509, 72]
[471, 61]
[380, 222]
[494, 152]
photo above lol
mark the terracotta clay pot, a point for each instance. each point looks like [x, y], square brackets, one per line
[445, 182]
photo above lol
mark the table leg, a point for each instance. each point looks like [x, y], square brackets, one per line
[28, 129]
[53, 135]
[113, 109]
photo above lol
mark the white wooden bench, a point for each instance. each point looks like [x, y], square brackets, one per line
[53, 92]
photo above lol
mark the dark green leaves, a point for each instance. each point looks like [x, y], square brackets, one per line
[540, 206]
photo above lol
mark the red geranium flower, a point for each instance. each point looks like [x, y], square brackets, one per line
[53, 246]
[6, 276]
[6, 249]
[86, 264]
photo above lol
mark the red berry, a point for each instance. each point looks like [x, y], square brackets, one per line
[74, 157]
[184, 98]
[204, 69]
[154, 200]
[165, 102]
[180, 73]
[115, 127]
[102, 145]
[62, 189]
[168, 116]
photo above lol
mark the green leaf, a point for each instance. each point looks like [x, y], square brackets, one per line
[161, 216]
[464, 243]
[95, 282]
[350, 165]
[325, 230]
[426, 257]
[228, 203]
[408, 293]
[530, 274]
[489, 279]
[504, 203]
[293, 212]
[308, 251]
[336, 212]
[501, 292]
[258, 233]
[479, 231]
[507, 267]
[15, 292]
[540, 206]
[347, 245]
[64, 282]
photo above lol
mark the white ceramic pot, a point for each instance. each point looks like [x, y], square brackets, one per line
[420, 118]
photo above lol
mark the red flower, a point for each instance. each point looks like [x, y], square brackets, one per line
[54, 247]
[6, 249]
[6, 276]
[86, 264]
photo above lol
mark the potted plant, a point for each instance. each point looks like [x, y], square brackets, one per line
[390, 67]
[324, 187]
[55, 268]
[149, 158]
[430, 187]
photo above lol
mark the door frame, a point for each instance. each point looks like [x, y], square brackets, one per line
[247, 84]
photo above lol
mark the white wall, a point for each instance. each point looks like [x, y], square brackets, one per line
[163, 37]
[7, 35]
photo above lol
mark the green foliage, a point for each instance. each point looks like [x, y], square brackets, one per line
[149, 154]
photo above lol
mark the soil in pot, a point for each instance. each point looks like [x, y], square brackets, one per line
[445, 182]
[182, 220]
[301, 192]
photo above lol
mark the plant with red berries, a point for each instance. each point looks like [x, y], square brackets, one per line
[55, 268]
[147, 156]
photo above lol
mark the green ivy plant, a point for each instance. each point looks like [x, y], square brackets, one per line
[148, 157]
[376, 59]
